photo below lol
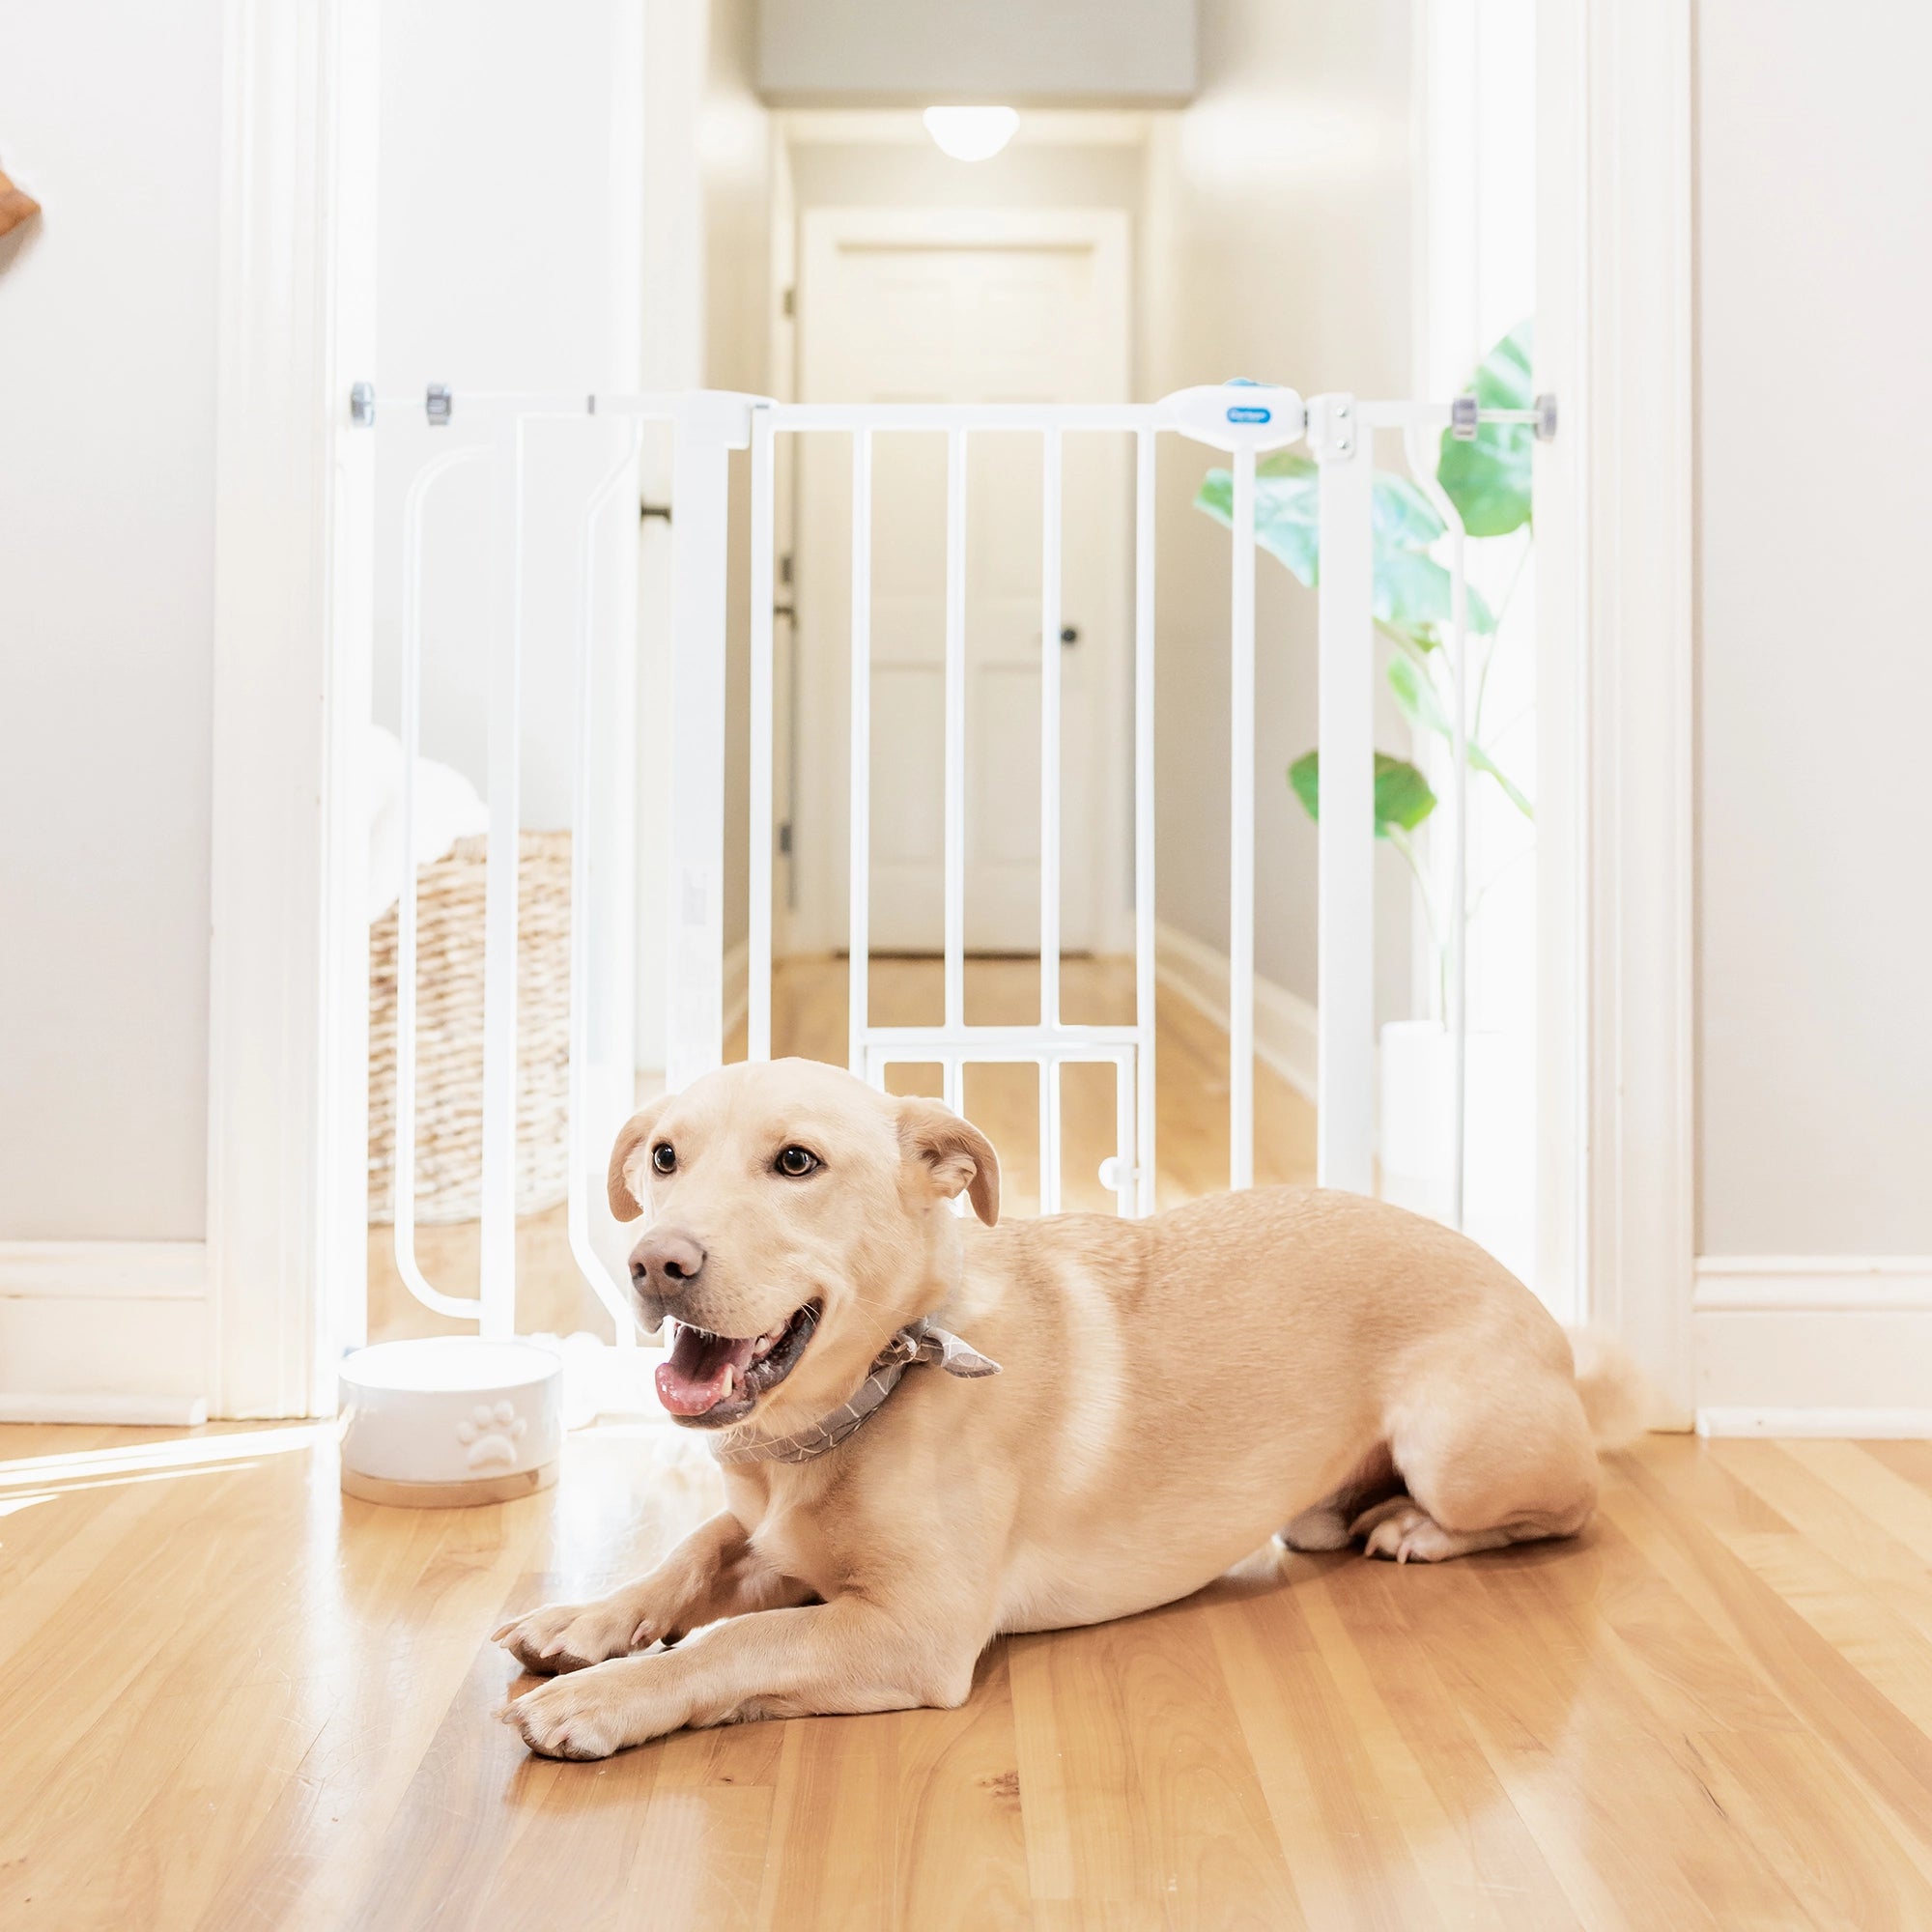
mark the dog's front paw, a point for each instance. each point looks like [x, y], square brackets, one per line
[571, 1717]
[572, 1636]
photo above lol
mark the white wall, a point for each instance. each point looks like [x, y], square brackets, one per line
[511, 215]
[1814, 155]
[1276, 245]
[111, 116]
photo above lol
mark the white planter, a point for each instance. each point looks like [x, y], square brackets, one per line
[450, 1420]
[1415, 1140]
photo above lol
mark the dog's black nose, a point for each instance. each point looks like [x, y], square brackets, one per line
[665, 1262]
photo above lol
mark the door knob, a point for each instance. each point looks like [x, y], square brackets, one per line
[1069, 633]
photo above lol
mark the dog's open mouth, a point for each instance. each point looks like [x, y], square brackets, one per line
[712, 1379]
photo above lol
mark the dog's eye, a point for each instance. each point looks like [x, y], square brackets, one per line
[796, 1162]
[663, 1158]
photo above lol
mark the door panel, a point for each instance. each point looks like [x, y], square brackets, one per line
[919, 316]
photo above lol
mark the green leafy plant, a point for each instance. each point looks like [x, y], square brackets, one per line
[1488, 480]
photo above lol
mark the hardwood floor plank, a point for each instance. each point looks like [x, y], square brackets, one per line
[1609, 1804]
[1894, 1579]
[1840, 1864]
[1479, 1861]
[414, 1593]
[832, 1862]
[961, 1858]
[1912, 1461]
[1880, 1746]
[1340, 1837]
[1135, 1779]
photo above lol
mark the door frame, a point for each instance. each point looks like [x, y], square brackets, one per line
[1617, 586]
[1615, 345]
[287, 942]
[820, 863]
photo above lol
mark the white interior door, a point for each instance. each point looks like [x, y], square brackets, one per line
[908, 306]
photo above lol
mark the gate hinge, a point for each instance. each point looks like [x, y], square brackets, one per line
[1332, 426]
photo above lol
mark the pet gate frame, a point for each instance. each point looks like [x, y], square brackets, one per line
[1246, 420]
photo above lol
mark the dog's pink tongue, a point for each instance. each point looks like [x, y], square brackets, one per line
[692, 1379]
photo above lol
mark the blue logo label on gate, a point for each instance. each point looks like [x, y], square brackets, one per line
[1248, 413]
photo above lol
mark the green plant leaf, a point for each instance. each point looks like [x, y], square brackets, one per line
[1488, 478]
[1403, 517]
[1287, 510]
[1403, 797]
[1401, 514]
[1417, 696]
[1410, 588]
[1422, 705]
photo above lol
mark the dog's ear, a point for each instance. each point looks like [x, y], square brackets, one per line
[955, 1153]
[631, 1136]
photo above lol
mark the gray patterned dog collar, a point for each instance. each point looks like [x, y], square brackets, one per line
[917, 1341]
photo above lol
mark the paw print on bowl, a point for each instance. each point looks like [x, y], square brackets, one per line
[489, 1434]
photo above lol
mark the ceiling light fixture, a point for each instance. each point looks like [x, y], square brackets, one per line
[971, 133]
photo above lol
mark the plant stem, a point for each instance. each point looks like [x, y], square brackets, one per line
[1497, 635]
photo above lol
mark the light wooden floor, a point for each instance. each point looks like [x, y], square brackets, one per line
[809, 1017]
[232, 1698]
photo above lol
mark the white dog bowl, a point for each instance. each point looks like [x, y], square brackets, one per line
[450, 1420]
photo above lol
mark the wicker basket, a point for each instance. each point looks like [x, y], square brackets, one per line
[449, 1034]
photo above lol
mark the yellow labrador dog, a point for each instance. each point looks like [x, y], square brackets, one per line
[933, 1430]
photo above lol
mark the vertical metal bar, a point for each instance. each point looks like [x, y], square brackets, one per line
[858, 941]
[462, 1307]
[1049, 1134]
[693, 923]
[1241, 836]
[1145, 990]
[1455, 994]
[1459, 886]
[758, 929]
[1344, 905]
[496, 1281]
[1049, 728]
[955, 729]
[613, 1293]
[1126, 1181]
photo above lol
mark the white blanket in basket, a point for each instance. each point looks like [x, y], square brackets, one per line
[447, 807]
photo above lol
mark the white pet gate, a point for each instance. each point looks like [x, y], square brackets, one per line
[1243, 420]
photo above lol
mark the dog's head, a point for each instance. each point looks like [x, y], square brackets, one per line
[796, 1218]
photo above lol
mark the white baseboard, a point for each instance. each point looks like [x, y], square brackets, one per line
[145, 1412]
[1814, 1344]
[1871, 1424]
[88, 1327]
[166, 1270]
[1286, 1034]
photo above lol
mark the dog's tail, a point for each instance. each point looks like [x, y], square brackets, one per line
[1611, 1387]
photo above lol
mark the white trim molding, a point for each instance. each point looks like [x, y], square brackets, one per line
[1615, 518]
[1286, 1032]
[103, 1331]
[1814, 1344]
[288, 951]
